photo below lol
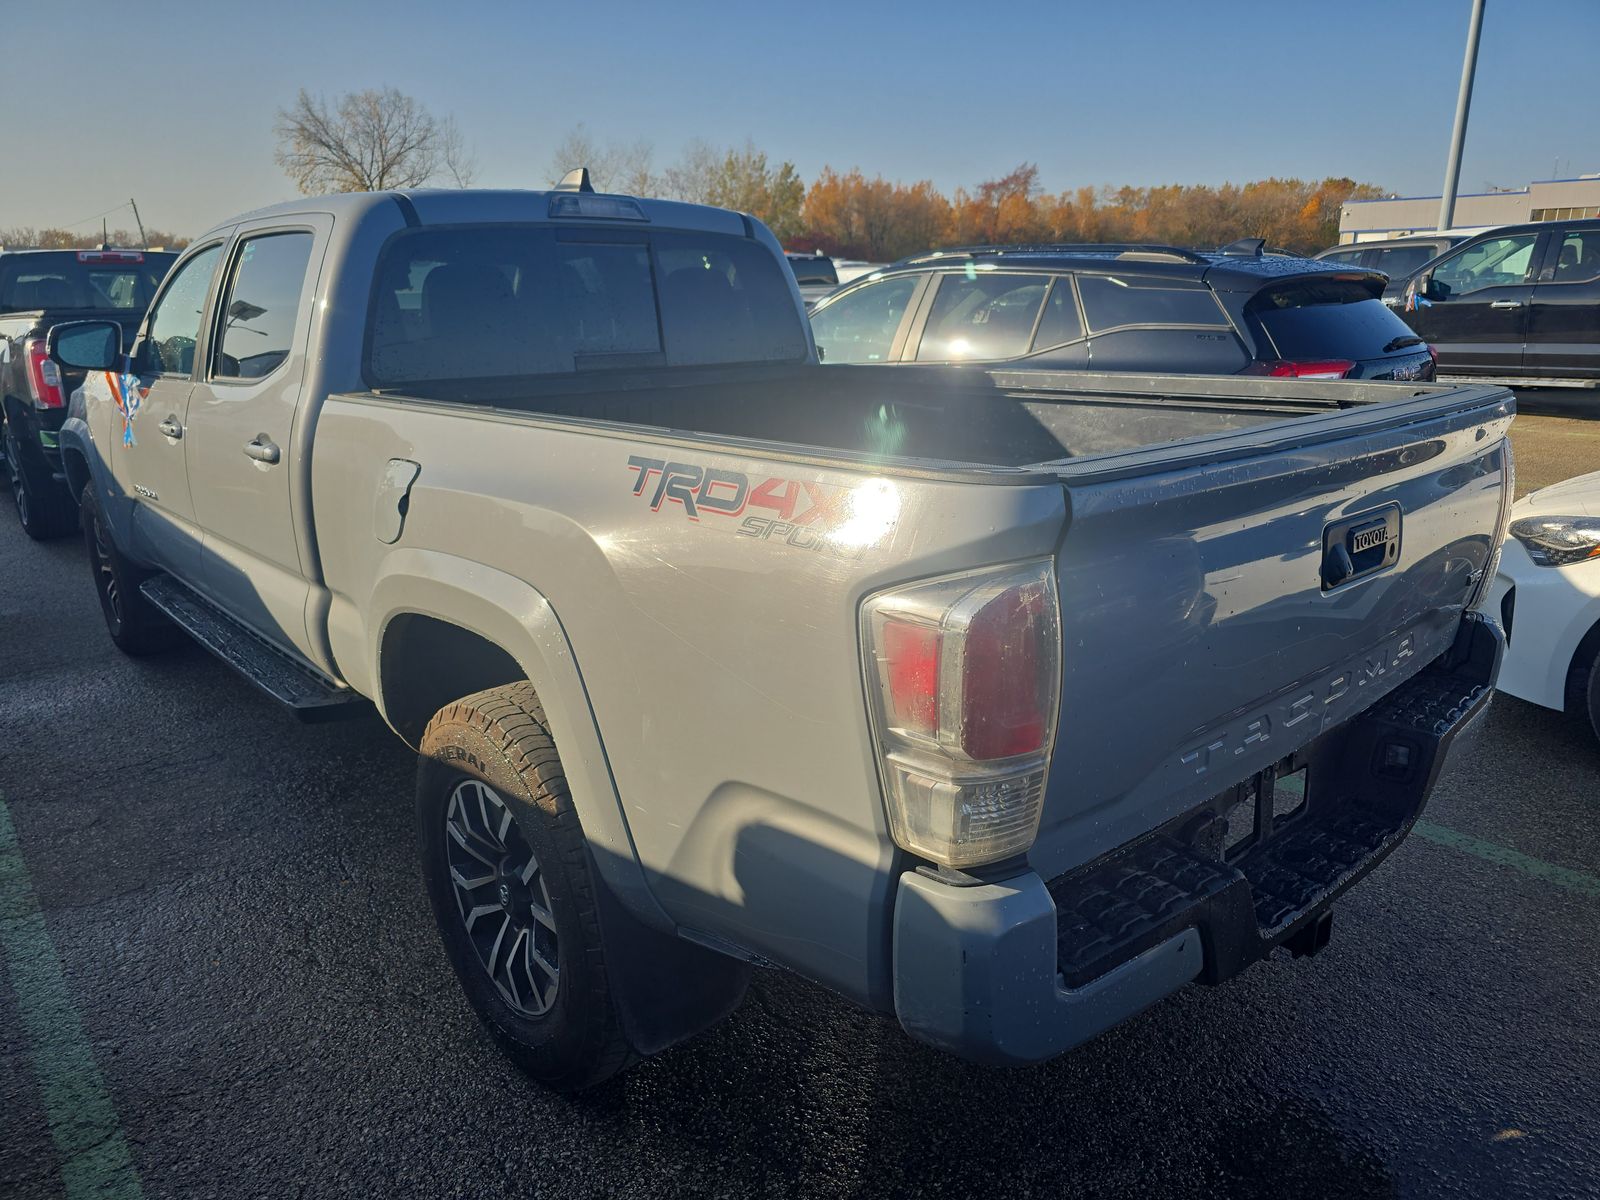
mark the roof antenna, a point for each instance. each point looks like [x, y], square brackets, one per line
[1245, 248]
[575, 180]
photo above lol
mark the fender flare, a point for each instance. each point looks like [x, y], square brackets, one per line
[515, 616]
[77, 440]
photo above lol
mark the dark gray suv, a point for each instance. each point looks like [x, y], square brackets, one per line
[1124, 308]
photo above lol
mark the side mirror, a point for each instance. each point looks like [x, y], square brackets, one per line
[85, 345]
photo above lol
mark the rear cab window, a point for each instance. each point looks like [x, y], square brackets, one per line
[486, 302]
[86, 279]
[1399, 261]
[1325, 318]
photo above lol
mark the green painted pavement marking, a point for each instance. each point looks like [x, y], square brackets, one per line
[1574, 881]
[83, 1122]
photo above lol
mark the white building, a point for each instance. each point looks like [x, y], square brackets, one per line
[1399, 216]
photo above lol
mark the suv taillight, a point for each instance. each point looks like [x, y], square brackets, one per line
[44, 377]
[963, 681]
[1328, 368]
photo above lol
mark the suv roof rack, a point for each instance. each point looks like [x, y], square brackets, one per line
[1121, 249]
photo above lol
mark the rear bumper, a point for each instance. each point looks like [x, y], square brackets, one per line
[1020, 970]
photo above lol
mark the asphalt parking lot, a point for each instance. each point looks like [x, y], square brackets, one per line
[220, 978]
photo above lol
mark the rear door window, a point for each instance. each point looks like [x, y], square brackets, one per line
[1111, 302]
[1343, 256]
[982, 316]
[860, 326]
[1325, 319]
[262, 306]
[1578, 257]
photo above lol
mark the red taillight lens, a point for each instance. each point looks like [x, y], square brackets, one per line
[1330, 368]
[1003, 708]
[911, 654]
[44, 377]
[964, 679]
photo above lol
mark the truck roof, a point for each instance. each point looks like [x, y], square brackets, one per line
[430, 206]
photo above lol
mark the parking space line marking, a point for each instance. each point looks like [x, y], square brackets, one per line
[95, 1161]
[1565, 877]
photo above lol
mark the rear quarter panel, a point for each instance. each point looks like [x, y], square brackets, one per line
[722, 667]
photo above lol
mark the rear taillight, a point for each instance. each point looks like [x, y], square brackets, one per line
[1328, 368]
[44, 377]
[963, 679]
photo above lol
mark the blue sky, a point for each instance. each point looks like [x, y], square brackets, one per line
[177, 109]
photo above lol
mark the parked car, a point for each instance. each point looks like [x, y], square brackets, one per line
[1398, 258]
[1547, 592]
[815, 273]
[714, 655]
[39, 288]
[1521, 302]
[1124, 308]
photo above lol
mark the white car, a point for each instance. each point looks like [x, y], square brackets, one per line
[1547, 593]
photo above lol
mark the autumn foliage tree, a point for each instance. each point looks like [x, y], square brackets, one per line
[853, 216]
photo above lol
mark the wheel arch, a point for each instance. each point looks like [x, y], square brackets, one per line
[1583, 658]
[447, 627]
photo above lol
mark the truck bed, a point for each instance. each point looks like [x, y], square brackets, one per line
[934, 414]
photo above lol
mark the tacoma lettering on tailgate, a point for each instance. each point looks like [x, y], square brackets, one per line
[1327, 698]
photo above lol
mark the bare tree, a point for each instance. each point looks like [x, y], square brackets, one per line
[613, 167]
[368, 141]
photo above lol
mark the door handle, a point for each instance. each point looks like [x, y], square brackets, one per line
[262, 448]
[1506, 304]
[171, 428]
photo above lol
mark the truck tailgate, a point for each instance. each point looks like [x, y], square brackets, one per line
[1224, 601]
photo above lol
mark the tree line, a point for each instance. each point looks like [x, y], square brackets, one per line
[20, 237]
[847, 214]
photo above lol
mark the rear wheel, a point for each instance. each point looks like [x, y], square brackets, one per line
[135, 625]
[508, 874]
[43, 505]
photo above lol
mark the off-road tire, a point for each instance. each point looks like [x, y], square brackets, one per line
[43, 506]
[136, 626]
[500, 738]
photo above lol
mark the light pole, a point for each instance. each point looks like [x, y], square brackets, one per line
[1452, 171]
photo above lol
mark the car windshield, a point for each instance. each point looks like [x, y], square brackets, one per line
[87, 279]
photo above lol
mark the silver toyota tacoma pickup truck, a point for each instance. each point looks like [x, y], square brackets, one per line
[1005, 703]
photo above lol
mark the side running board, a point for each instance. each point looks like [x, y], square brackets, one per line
[308, 693]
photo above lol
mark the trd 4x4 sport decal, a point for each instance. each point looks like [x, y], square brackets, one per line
[805, 515]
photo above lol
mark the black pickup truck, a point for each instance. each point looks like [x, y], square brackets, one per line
[38, 289]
